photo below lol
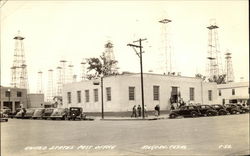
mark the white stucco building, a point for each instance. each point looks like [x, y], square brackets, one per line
[233, 92]
[122, 92]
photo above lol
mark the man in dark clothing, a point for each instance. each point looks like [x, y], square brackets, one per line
[23, 113]
[139, 110]
[157, 110]
[134, 112]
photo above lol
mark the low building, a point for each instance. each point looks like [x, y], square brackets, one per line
[13, 98]
[234, 92]
[122, 92]
[35, 100]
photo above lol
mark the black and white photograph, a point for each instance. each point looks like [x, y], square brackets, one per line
[124, 78]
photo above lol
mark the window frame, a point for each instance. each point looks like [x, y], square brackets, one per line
[191, 94]
[156, 93]
[79, 96]
[96, 96]
[210, 95]
[86, 95]
[131, 93]
[69, 97]
[108, 94]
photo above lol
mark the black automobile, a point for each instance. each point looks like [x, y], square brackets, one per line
[13, 114]
[59, 113]
[243, 109]
[220, 109]
[233, 108]
[185, 111]
[207, 110]
[76, 113]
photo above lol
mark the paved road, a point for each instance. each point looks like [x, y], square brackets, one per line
[221, 135]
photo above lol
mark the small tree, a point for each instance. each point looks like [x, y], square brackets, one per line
[220, 79]
[101, 66]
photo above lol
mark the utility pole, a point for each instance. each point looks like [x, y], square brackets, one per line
[140, 56]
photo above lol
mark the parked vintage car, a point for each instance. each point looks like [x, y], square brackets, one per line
[185, 111]
[47, 113]
[207, 110]
[220, 109]
[13, 114]
[243, 109]
[38, 114]
[233, 108]
[76, 113]
[59, 113]
[3, 116]
[21, 113]
[29, 113]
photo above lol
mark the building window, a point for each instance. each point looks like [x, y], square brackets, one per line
[79, 98]
[69, 97]
[210, 95]
[191, 94]
[219, 92]
[7, 94]
[19, 94]
[156, 90]
[108, 92]
[96, 95]
[86, 95]
[233, 91]
[131, 93]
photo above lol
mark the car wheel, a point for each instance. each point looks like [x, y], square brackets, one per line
[209, 114]
[233, 112]
[172, 116]
[194, 114]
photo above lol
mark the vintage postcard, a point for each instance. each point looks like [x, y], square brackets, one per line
[124, 77]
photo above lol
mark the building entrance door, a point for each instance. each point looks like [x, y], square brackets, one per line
[17, 105]
[174, 95]
[8, 104]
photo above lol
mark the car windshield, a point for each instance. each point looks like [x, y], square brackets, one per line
[74, 109]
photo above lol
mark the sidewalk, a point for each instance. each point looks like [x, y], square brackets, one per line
[110, 118]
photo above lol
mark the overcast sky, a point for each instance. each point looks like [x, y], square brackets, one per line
[73, 30]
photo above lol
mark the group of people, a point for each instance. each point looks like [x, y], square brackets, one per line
[178, 104]
[137, 111]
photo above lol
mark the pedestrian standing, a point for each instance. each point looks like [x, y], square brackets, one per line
[134, 112]
[23, 112]
[145, 111]
[158, 109]
[139, 110]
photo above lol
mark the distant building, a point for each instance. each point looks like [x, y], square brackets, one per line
[122, 92]
[36, 100]
[13, 98]
[233, 92]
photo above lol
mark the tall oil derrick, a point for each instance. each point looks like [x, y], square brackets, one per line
[229, 67]
[83, 70]
[70, 73]
[63, 73]
[50, 87]
[39, 82]
[19, 76]
[109, 55]
[167, 51]
[59, 81]
[214, 65]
